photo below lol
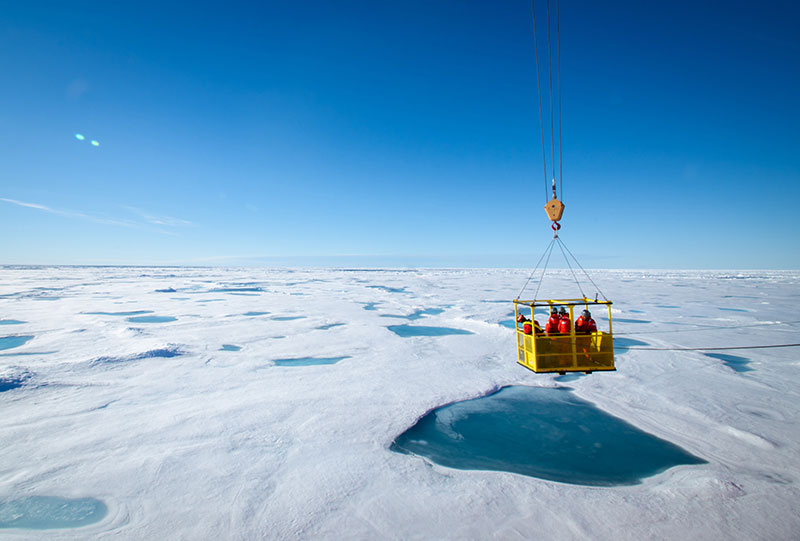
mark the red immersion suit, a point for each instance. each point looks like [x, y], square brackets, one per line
[551, 327]
[585, 325]
[563, 325]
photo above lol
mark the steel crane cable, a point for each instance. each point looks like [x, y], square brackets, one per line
[709, 328]
[716, 349]
[552, 101]
[560, 161]
[539, 92]
[550, 76]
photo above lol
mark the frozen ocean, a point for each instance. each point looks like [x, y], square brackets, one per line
[212, 403]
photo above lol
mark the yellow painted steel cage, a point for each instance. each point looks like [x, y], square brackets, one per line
[562, 353]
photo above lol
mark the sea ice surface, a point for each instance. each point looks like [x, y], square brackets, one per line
[179, 438]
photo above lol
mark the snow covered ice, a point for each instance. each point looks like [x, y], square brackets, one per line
[185, 425]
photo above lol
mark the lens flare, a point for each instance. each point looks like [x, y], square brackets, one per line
[79, 137]
[95, 143]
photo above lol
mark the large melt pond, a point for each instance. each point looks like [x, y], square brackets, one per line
[547, 433]
[407, 331]
[49, 512]
[308, 361]
[9, 342]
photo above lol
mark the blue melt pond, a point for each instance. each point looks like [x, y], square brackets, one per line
[568, 377]
[510, 323]
[10, 322]
[541, 432]
[371, 306]
[287, 318]
[151, 319]
[329, 326]
[389, 289]
[151, 354]
[734, 362]
[163, 352]
[8, 342]
[251, 314]
[6, 384]
[235, 290]
[407, 331]
[49, 512]
[230, 347]
[625, 320]
[133, 313]
[733, 310]
[308, 361]
[419, 314]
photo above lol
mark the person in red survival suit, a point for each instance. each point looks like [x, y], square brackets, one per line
[528, 326]
[585, 324]
[563, 321]
[551, 327]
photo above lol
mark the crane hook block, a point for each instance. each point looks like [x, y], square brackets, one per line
[554, 209]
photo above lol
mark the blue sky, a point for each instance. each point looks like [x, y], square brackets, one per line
[396, 134]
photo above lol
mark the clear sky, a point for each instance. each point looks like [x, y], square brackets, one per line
[396, 133]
